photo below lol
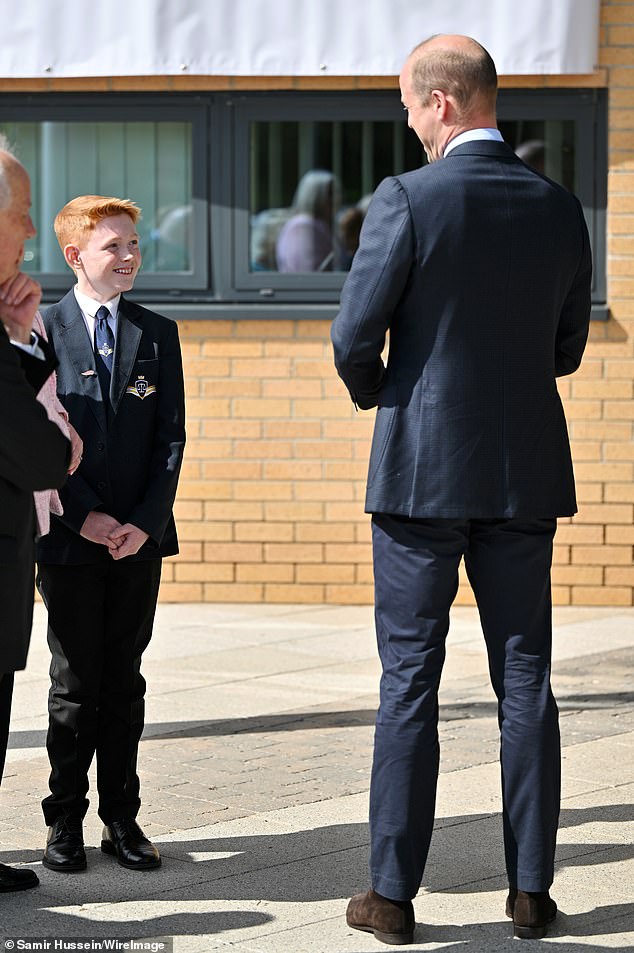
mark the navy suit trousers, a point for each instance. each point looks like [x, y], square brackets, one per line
[416, 580]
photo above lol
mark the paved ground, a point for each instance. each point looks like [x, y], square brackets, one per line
[255, 765]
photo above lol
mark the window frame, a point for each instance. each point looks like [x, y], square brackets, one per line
[220, 283]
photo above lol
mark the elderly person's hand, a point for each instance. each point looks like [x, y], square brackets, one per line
[77, 449]
[19, 300]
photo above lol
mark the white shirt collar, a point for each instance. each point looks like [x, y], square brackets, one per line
[470, 135]
[90, 307]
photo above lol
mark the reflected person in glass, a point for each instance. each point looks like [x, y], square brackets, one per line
[305, 242]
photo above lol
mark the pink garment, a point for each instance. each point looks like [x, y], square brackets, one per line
[48, 501]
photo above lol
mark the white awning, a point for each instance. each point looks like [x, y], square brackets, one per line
[286, 37]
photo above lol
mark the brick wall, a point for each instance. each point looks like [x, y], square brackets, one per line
[270, 506]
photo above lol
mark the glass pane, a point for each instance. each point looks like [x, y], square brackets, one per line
[546, 145]
[148, 162]
[311, 183]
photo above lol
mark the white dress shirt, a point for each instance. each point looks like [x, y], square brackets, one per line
[89, 307]
[469, 136]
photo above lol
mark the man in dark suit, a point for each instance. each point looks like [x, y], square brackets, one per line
[34, 453]
[120, 379]
[480, 270]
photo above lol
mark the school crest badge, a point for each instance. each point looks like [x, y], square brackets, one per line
[141, 388]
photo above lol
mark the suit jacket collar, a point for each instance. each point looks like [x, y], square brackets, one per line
[482, 147]
[82, 356]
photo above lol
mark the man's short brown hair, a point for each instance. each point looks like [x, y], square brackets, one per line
[79, 216]
[468, 75]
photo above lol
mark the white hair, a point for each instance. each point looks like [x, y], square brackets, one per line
[5, 178]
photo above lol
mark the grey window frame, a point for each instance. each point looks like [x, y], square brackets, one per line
[220, 284]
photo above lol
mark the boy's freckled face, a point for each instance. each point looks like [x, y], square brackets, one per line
[110, 258]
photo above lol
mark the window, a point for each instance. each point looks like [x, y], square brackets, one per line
[252, 203]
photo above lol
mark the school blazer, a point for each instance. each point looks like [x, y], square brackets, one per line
[133, 442]
[480, 270]
[34, 455]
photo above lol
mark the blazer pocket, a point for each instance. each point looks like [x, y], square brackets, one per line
[8, 550]
[143, 381]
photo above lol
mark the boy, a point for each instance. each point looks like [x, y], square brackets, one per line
[120, 379]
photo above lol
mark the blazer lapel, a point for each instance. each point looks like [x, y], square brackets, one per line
[128, 338]
[82, 356]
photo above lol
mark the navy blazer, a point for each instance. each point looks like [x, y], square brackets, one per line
[34, 455]
[480, 269]
[133, 449]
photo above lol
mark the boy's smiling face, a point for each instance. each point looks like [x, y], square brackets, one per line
[109, 259]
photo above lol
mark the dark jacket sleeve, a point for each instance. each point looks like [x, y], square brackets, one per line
[372, 290]
[574, 322]
[154, 511]
[34, 453]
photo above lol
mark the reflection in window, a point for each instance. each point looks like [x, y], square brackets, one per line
[148, 162]
[310, 187]
[547, 146]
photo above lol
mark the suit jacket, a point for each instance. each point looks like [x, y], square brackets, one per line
[34, 455]
[480, 269]
[133, 448]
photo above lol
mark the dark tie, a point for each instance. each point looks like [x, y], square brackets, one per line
[104, 350]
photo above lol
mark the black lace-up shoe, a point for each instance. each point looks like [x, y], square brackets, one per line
[65, 845]
[126, 841]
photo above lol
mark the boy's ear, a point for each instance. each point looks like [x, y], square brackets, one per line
[72, 255]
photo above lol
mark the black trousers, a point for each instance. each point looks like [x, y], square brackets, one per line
[416, 580]
[100, 620]
[6, 694]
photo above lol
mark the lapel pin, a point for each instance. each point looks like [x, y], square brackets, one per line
[88, 373]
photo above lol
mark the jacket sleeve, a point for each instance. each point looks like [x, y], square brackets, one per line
[574, 321]
[152, 514]
[34, 453]
[372, 291]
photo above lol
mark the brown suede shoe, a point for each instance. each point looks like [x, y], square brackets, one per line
[391, 921]
[531, 913]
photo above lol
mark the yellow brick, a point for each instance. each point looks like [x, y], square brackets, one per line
[263, 532]
[618, 451]
[620, 244]
[589, 370]
[314, 329]
[320, 490]
[261, 368]
[621, 287]
[294, 593]
[606, 390]
[306, 512]
[586, 450]
[326, 408]
[620, 369]
[204, 572]
[233, 348]
[293, 470]
[261, 408]
[560, 595]
[357, 471]
[180, 592]
[233, 552]
[293, 430]
[615, 472]
[233, 511]
[292, 388]
[264, 572]
[622, 224]
[295, 349]
[293, 553]
[323, 449]
[364, 573]
[263, 449]
[207, 449]
[208, 407]
[615, 56]
[619, 409]
[619, 493]
[589, 492]
[324, 532]
[345, 512]
[561, 555]
[192, 388]
[323, 574]
[233, 592]
[205, 490]
[207, 367]
[232, 470]
[576, 533]
[167, 572]
[188, 553]
[621, 77]
[601, 430]
[601, 596]
[319, 369]
[358, 428]
[602, 555]
[604, 513]
[347, 553]
[623, 576]
[188, 510]
[620, 535]
[577, 575]
[621, 36]
[584, 409]
[202, 330]
[247, 429]
[265, 329]
[363, 529]
[350, 595]
[617, 13]
[231, 388]
[262, 490]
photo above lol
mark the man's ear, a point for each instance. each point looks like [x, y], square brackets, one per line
[439, 102]
[72, 255]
